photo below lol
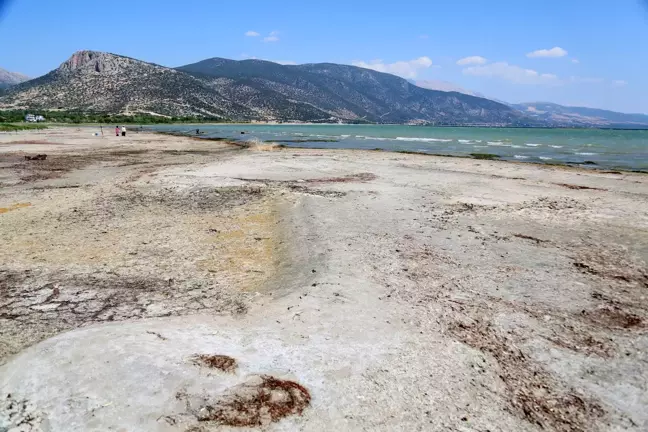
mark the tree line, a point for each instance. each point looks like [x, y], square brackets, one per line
[14, 116]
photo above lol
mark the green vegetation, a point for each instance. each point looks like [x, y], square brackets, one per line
[77, 117]
[486, 156]
[8, 127]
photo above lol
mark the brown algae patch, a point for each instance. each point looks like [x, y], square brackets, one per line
[258, 402]
[215, 361]
[533, 393]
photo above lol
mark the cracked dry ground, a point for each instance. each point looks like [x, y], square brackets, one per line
[86, 240]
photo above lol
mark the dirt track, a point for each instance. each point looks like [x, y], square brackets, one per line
[402, 292]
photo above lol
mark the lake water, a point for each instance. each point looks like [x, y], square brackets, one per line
[608, 149]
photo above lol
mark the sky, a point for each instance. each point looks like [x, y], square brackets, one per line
[590, 53]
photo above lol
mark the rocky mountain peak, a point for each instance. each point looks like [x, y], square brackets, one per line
[93, 61]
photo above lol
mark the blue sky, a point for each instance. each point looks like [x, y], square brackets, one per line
[595, 51]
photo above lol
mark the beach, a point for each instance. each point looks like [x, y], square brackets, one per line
[343, 289]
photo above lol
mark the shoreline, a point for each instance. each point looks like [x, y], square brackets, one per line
[584, 166]
[573, 165]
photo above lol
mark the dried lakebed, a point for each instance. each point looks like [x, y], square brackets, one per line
[172, 284]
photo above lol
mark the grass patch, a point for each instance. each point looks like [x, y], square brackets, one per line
[11, 127]
[485, 156]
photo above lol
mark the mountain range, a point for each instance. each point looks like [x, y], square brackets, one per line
[559, 115]
[554, 115]
[248, 90]
[92, 81]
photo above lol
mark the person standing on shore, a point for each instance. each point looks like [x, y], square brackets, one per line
[123, 130]
[116, 130]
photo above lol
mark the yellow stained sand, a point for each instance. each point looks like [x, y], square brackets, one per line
[238, 247]
[246, 247]
[14, 207]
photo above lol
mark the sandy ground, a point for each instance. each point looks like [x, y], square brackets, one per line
[156, 283]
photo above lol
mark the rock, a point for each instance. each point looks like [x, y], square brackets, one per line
[38, 157]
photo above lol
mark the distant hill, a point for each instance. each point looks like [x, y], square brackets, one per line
[551, 114]
[8, 79]
[248, 90]
[559, 115]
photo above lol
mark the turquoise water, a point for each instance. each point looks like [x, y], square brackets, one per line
[608, 149]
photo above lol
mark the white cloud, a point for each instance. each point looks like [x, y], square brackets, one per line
[405, 69]
[252, 33]
[512, 73]
[575, 61]
[553, 52]
[272, 37]
[619, 83]
[476, 60]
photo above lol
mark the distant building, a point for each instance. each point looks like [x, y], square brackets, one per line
[31, 118]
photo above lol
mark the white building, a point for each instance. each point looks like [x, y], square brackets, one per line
[31, 118]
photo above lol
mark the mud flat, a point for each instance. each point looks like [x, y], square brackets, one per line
[160, 283]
